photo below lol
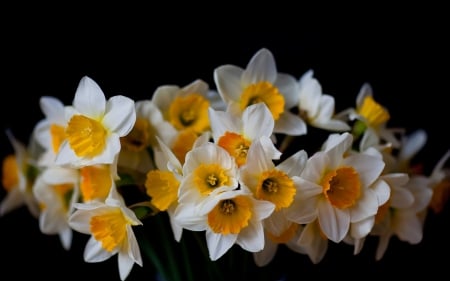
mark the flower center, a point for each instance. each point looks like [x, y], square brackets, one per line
[58, 136]
[109, 229]
[207, 177]
[10, 177]
[342, 187]
[162, 187]
[275, 186]
[230, 215]
[263, 92]
[190, 111]
[96, 182]
[139, 137]
[236, 145]
[86, 136]
[373, 112]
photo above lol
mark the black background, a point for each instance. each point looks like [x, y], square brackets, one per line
[404, 59]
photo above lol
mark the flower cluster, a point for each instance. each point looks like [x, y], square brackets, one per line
[231, 163]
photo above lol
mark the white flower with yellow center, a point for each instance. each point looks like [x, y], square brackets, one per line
[316, 108]
[229, 217]
[336, 188]
[260, 82]
[94, 126]
[50, 131]
[277, 184]
[19, 172]
[207, 167]
[56, 189]
[236, 134]
[372, 118]
[110, 225]
[185, 108]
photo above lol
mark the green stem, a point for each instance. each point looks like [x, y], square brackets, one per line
[149, 250]
[168, 249]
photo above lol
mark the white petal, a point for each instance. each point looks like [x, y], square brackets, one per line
[368, 167]
[94, 252]
[382, 191]
[260, 68]
[287, 85]
[409, 227]
[228, 82]
[120, 115]
[401, 198]
[314, 245]
[294, 165]
[251, 238]
[303, 212]
[65, 236]
[125, 264]
[221, 122]
[13, 200]
[366, 206]
[257, 121]
[219, 244]
[89, 98]
[164, 96]
[52, 108]
[335, 223]
[290, 124]
[362, 228]
[80, 221]
[412, 144]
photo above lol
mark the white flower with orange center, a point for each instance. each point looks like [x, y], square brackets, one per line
[94, 126]
[50, 131]
[19, 172]
[207, 167]
[261, 82]
[236, 134]
[336, 188]
[229, 217]
[57, 189]
[110, 225]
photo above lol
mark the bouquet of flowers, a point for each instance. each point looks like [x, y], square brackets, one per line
[259, 162]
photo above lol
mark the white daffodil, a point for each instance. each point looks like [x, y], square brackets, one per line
[372, 118]
[187, 107]
[277, 184]
[336, 188]
[229, 217]
[207, 168]
[50, 131]
[56, 189]
[260, 82]
[236, 134]
[94, 126]
[316, 108]
[110, 225]
[162, 184]
[19, 172]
